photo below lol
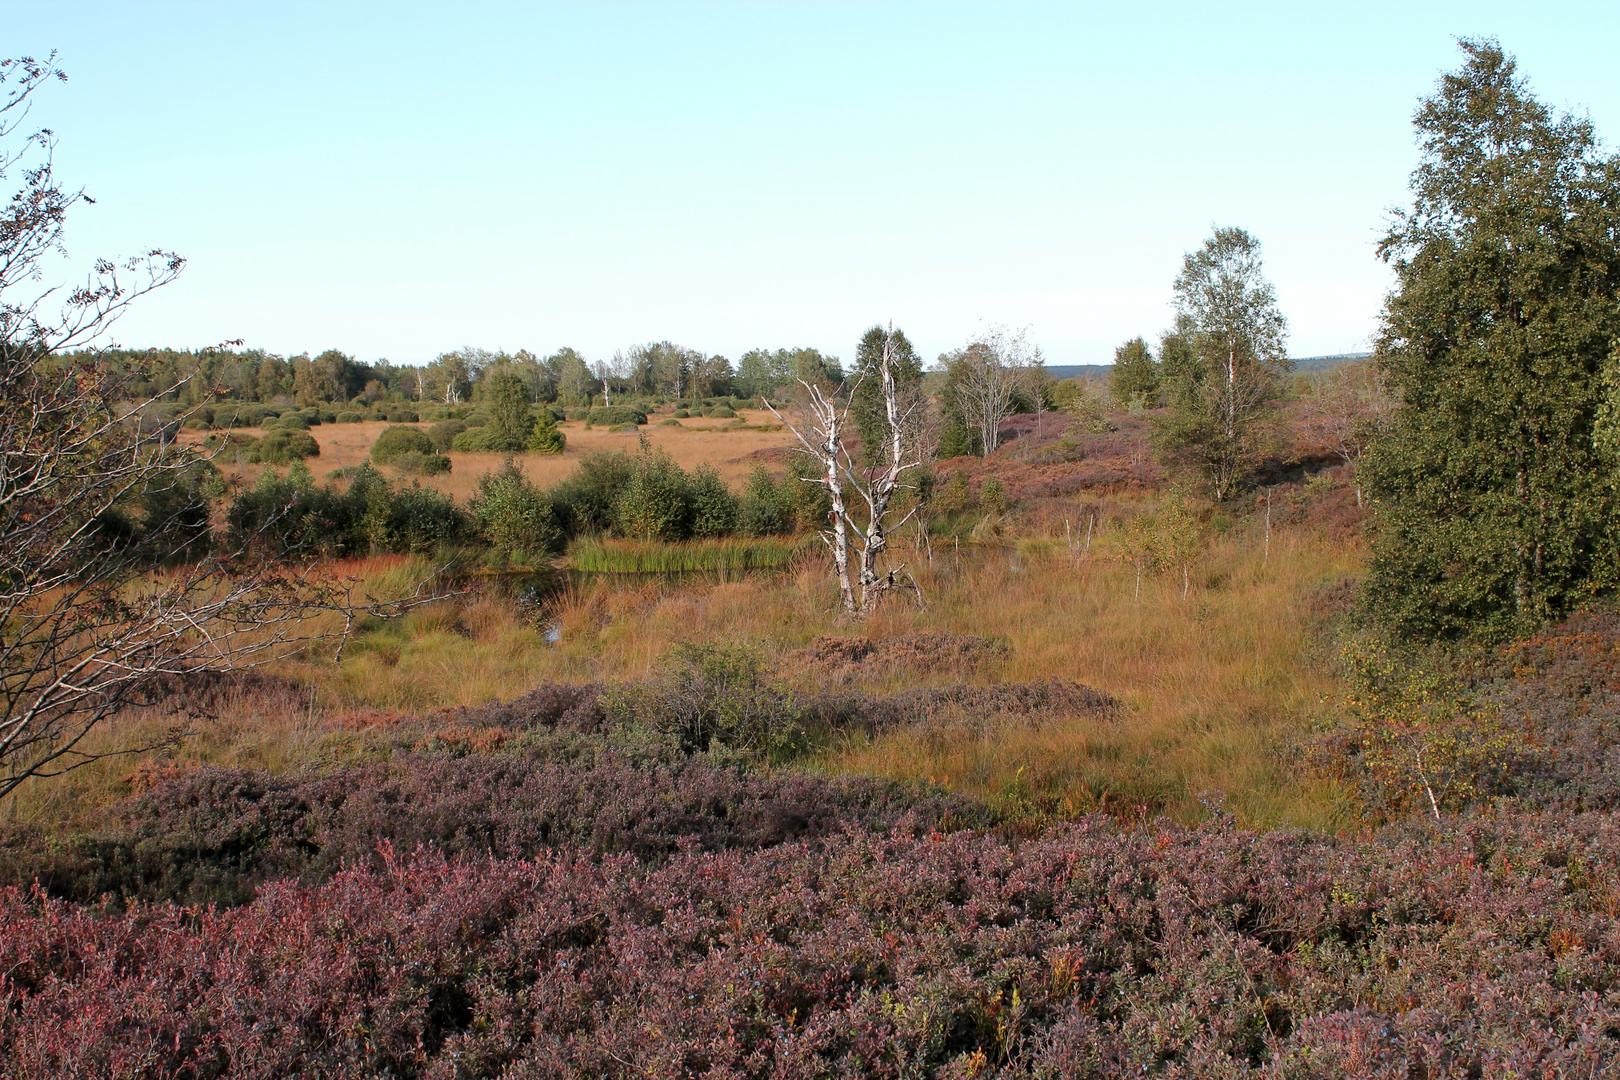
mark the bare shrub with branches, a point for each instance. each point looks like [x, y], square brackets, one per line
[990, 374]
[111, 582]
[821, 430]
[1347, 407]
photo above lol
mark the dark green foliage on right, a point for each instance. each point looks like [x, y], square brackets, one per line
[1494, 489]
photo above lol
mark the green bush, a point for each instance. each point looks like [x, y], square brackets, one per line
[764, 509]
[291, 422]
[544, 437]
[584, 501]
[513, 514]
[657, 502]
[714, 695]
[475, 440]
[402, 416]
[579, 414]
[608, 415]
[721, 412]
[475, 420]
[682, 414]
[444, 433]
[398, 440]
[349, 418]
[669, 421]
[414, 461]
[714, 507]
[283, 445]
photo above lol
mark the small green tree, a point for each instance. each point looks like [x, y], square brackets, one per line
[764, 509]
[506, 403]
[866, 407]
[513, 514]
[714, 507]
[546, 437]
[1493, 490]
[1135, 377]
[656, 503]
[1218, 425]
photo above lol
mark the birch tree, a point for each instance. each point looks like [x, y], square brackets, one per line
[1217, 426]
[988, 377]
[861, 539]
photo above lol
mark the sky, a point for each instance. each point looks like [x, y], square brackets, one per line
[398, 180]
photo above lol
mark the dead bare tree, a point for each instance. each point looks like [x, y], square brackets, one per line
[110, 584]
[821, 436]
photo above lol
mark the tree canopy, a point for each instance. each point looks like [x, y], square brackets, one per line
[1493, 492]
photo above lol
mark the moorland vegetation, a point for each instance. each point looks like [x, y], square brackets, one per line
[1220, 721]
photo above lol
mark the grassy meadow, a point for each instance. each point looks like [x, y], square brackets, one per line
[732, 447]
[1215, 685]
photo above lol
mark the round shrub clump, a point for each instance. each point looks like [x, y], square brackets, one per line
[444, 433]
[609, 415]
[283, 445]
[348, 418]
[395, 441]
[578, 414]
[475, 440]
[403, 416]
[292, 421]
[414, 461]
[669, 421]
[721, 412]
[681, 414]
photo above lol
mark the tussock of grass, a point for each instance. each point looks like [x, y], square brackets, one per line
[657, 557]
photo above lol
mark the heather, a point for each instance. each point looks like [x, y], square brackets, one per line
[1486, 947]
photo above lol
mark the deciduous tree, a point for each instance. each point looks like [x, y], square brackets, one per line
[1493, 491]
[1218, 425]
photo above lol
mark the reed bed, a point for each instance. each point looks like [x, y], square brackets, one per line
[598, 556]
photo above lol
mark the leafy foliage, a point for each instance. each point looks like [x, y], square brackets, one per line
[1494, 498]
[513, 514]
[394, 441]
[1135, 376]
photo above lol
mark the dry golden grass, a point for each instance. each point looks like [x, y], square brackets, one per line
[695, 442]
[1214, 685]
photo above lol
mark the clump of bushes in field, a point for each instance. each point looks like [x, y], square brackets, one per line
[609, 415]
[408, 449]
[290, 517]
[714, 695]
[648, 496]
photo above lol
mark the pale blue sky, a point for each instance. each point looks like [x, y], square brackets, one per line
[402, 179]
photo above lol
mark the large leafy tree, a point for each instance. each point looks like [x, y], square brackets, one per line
[1222, 388]
[1493, 500]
